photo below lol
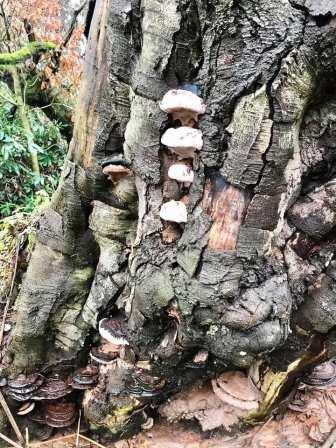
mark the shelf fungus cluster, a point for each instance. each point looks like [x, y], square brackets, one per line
[225, 401]
[50, 402]
[61, 415]
[114, 340]
[323, 375]
[144, 386]
[184, 108]
[23, 387]
[85, 378]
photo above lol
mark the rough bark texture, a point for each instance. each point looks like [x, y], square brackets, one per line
[252, 270]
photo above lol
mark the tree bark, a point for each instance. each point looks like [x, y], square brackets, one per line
[252, 274]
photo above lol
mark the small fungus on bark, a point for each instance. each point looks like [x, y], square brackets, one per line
[235, 389]
[52, 389]
[116, 172]
[85, 378]
[183, 141]
[114, 331]
[183, 105]
[182, 173]
[174, 211]
[26, 408]
[22, 387]
[106, 353]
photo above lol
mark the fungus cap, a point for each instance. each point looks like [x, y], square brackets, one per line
[52, 389]
[85, 378]
[114, 331]
[26, 408]
[322, 375]
[60, 415]
[22, 381]
[183, 138]
[181, 172]
[237, 390]
[182, 99]
[116, 172]
[174, 211]
[106, 353]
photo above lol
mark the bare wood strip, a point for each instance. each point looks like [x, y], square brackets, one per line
[11, 419]
[11, 442]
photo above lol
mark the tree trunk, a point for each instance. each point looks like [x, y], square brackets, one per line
[251, 274]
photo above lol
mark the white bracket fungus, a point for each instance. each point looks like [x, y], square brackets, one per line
[174, 211]
[182, 173]
[183, 141]
[184, 106]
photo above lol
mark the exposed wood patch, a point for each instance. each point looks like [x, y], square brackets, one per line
[226, 205]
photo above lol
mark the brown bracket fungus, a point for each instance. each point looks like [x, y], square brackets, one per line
[183, 141]
[323, 375]
[85, 378]
[22, 387]
[114, 331]
[183, 105]
[52, 389]
[60, 415]
[142, 385]
[106, 353]
[235, 389]
[116, 172]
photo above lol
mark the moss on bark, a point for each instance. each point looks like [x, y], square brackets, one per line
[25, 52]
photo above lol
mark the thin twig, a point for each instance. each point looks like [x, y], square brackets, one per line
[92, 441]
[11, 442]
[8, 99]
[11, 419]
[67, 438]
[78, 428]
[51, 104]
[27, 437]
[3, 323]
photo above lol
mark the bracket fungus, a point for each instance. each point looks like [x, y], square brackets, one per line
[323, 375]
[26, 408]
[106, 353]
[183, 141]
[52, 389]
[182, 173]
[116, 168]
[85, 378]
[60, 415]
[114, 331]
[145, 386]
[235, 389]
[116, 172]
[22, 387]
[174, 211]
[183, 105]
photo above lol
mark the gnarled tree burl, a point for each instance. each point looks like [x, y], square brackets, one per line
[252, 272]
